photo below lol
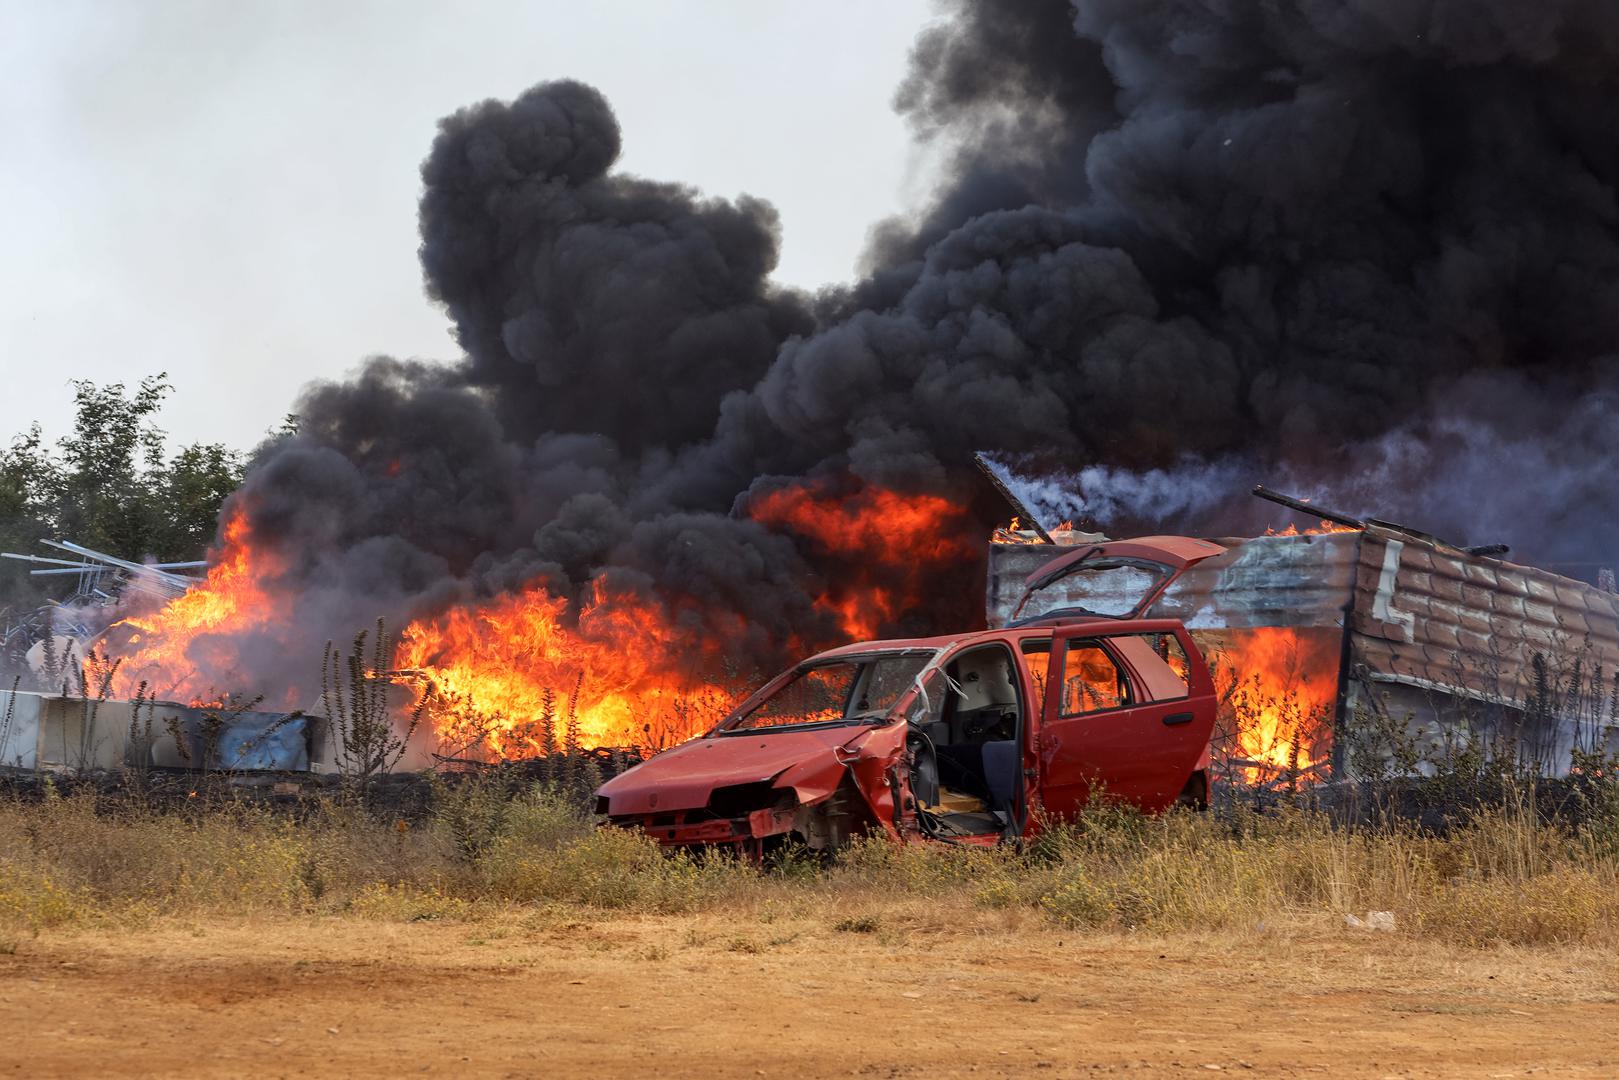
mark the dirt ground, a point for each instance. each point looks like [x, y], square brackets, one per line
[543, 995]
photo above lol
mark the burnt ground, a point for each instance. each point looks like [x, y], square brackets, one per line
[545, 994]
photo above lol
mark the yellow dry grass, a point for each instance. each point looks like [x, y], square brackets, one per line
[1504, 877]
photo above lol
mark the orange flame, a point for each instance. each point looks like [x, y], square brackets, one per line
[624, 673]
[1279, 686]
[1324, 528]
[624, 669]
[1013, 532]
[891, 545]
[175, 647]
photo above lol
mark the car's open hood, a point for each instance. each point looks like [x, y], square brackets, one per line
[806, 760]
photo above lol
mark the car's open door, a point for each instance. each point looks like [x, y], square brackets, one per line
[1129, 708]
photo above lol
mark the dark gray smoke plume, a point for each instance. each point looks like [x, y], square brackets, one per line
[592, 302]
[1368, 248]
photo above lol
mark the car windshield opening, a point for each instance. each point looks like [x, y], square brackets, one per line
[841, 691]
[1112, 588]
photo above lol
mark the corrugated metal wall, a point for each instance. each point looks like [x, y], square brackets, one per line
[1431, 614]
[1442, 640]
[49, 731]
[1290, 581]
[1264, 581]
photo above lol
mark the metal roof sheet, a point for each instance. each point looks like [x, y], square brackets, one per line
[1435, 615]
[1293, 581]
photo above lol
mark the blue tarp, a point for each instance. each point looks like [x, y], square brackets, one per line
[257, 740]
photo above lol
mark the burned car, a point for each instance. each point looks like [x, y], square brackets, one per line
[971, 738]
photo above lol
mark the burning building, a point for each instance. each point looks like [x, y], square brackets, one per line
[1367, 249]
[1327, 634]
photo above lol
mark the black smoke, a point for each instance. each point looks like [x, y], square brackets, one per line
[590, 302]
[1365, 247]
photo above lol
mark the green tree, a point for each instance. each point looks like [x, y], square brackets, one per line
[30, 483]
[106, 501]
[184, 497]
[110, 484]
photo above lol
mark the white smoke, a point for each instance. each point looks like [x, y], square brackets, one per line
[1102, 498]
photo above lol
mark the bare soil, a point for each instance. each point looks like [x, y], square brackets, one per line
[548, 995]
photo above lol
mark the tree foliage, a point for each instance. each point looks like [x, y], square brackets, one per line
[110, 484]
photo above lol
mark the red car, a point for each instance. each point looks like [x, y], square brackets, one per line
[970, 738]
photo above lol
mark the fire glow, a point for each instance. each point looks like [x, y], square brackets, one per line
[1013, 532]
[1278, 687]
[623, 669]
[167, 648]
[1321, 530]
[624, 673]
[888, 546]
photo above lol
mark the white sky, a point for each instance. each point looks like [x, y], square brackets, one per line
[227, 190]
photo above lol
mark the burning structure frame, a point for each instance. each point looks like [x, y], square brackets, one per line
[1455, 647]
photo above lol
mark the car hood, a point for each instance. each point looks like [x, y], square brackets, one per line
[809, 761]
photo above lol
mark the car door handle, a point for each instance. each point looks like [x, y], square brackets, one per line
[1179, 718]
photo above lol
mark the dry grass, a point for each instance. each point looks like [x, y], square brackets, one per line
[1504, 877]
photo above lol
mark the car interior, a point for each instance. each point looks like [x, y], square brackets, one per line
[966, 776]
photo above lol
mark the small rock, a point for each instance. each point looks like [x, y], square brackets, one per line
[1374, 920]
[331, 1031]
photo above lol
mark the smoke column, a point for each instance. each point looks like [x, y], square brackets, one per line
[1366, 248]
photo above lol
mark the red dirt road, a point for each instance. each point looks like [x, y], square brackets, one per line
[530, 996]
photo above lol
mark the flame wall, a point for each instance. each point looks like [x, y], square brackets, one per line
[1278, 689]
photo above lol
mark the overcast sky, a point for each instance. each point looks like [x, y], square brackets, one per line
[227, 191]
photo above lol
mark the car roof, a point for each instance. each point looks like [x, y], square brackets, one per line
[934, 644]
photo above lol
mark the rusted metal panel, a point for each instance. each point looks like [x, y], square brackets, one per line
[1262, 581]
[1293, 581]
[1009, 568]
[1430, 611]
[1460, 636]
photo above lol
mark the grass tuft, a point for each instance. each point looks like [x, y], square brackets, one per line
[1503, 876]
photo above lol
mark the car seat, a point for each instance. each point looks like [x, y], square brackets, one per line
[984, 691]
[1000, 772]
